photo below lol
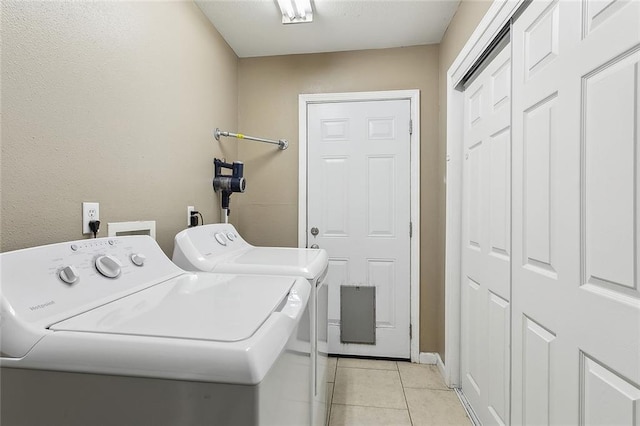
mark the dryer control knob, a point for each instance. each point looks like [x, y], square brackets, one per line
[108, 266]
[220, 238]
[69, 274]
[138, 259]
[231, 236]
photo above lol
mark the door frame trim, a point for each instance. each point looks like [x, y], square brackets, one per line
[414, 270]
[497, 17]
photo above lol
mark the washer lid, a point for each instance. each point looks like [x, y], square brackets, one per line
[202, 306]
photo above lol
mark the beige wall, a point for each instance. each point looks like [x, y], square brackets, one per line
[268, 106]
[112, 102]
[464, 22]
[116, 102]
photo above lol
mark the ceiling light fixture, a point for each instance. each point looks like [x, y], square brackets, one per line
[296, 11]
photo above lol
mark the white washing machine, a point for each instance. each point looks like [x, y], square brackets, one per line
[220, 248]
[109, 331]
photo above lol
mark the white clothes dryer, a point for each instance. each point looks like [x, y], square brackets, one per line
[109, 331]
[220, 248]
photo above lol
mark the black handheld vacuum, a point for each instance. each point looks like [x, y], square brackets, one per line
[228, 184]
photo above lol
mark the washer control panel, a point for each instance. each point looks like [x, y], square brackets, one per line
[66, 278]
[108, 265]
[138, 259]
[69, 274]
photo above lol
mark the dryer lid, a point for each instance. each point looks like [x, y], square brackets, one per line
[202, 306]
[308, 263]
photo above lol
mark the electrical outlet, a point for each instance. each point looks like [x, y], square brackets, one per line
[90, 211]
[189, 210]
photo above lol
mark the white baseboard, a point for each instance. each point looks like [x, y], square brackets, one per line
[441, 368]
[429, 358]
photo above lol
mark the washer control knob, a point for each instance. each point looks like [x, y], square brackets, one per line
[108, 266]
[69, 274]
[231, 236]
[138, 259]
[220, 238]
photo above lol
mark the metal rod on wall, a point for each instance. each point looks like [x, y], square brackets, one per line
[282, 143]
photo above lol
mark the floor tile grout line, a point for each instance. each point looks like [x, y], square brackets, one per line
[333, 389]
[404, 394]
[368, 368]
[371, 406]
[427, 388]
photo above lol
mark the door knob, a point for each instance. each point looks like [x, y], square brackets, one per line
[314, 231]
[315, 246]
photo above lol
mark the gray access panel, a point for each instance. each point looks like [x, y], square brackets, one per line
[358, 314]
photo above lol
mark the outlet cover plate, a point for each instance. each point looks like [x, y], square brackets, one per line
[189, 210]
[90, 211]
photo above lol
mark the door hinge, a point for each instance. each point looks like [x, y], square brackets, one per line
[410, 229]
[410, 331]
[410, 127]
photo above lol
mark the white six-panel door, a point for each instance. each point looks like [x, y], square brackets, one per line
[486, 247]
[359, 200]
[575, 295]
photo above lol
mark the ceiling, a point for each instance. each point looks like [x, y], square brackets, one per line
[254, 27]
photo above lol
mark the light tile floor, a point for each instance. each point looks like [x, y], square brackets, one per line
[372, 392]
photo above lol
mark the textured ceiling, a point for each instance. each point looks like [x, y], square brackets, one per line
[254, 28]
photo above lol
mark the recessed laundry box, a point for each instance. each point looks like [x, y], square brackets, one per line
[110, 332]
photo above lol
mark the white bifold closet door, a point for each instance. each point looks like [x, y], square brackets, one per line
[575, 296]
[486, 249]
